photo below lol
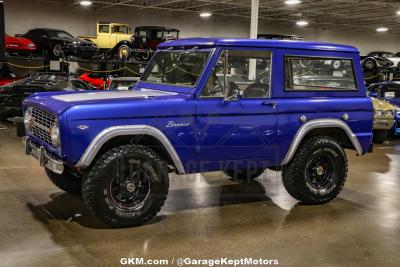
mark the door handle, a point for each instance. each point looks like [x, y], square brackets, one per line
[272, 104]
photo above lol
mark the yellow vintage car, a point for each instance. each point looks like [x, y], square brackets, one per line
[384, 118]
[111, 35]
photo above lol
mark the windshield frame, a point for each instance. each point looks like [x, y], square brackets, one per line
[176, 87]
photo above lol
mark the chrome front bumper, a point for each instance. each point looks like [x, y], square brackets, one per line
[44, 158]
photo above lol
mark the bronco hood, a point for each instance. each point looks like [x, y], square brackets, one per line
[112, 103]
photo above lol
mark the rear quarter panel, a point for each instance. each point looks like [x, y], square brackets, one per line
[320, 104]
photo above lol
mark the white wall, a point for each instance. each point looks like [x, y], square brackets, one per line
[21, 15]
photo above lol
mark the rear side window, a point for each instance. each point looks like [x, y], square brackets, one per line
[319, 74]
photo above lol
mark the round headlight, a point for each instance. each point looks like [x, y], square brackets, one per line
[55, 134]
[379, 113]
[28, 119]
[389, 113]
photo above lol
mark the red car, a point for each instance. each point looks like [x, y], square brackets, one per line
[19, 45]
[96, 79]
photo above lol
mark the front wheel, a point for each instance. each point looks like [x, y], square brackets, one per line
[126, 186]
[317, 172]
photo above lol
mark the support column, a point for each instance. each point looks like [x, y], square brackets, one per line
[253, 35]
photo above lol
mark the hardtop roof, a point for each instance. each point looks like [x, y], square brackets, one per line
[211, 42]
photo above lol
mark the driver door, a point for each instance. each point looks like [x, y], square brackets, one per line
[236, 119]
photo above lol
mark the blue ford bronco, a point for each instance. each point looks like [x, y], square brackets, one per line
[207, 104]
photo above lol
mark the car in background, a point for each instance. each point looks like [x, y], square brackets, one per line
[384, 119]
[99, 80]
[19, 46]
[395, 58]
[12, 95]
[377, 59]
[152, 36]
[113, 38]
[279, 37]
[58, 43]
[389, 91]
[122, 83]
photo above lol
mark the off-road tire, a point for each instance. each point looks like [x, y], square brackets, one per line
[244, 175]
[68, 181]
[100, 177]
[294, 174]
[379, 136]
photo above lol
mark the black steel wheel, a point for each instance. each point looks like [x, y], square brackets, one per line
[126, 186]
[317, 172]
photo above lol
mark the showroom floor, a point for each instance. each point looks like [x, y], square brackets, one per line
[39, 225]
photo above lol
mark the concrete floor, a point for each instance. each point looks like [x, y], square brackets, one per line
[206, 216]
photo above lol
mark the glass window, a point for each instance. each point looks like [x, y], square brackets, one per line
[104, 28]
[59, 34]
[120, 29]
[182, 68]
[245, 73]
[314, 74]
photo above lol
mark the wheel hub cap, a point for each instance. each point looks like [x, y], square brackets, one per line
[130, 187]
[320, 170]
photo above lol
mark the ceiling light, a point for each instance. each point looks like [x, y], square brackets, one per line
[398, 12]
[205, 14]
[302, 23]
[86, 3]
[292, 2]
[382, 29]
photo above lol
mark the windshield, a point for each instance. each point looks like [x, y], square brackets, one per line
[60, 34]
[181, 68]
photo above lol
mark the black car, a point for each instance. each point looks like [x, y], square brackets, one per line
[12, 95]
[58, 43]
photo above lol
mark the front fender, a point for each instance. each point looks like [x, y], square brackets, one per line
[109, 133]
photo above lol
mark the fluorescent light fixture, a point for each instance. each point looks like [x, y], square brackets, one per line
[85, 3]
[302, 23]
[292, 2]
[382, 29]
[205, 14]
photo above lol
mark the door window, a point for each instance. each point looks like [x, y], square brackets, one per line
[246, 73]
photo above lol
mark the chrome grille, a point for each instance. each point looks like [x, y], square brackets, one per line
[43, 122]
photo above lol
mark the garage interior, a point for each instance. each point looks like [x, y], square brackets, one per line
[207, 215]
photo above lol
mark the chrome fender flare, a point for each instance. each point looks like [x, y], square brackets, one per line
[109, 133]
[315, 124]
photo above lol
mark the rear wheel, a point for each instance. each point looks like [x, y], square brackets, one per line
[57, 51]
[68, 181]
[126, 186]
[370, 64]
[244, 175]
[317, 172]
